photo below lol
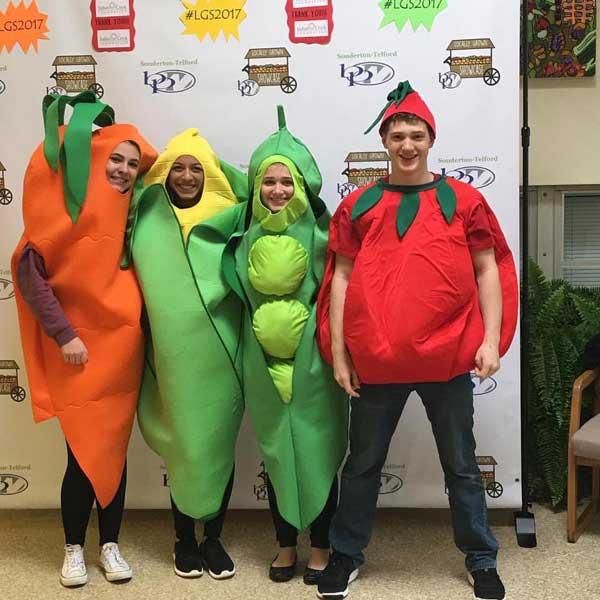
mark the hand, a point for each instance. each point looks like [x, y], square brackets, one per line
[345, 373]
[487, 360]
[75, 352]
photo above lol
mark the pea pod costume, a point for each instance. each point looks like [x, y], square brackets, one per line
[76, 221]
[191, 406]
[274, 263]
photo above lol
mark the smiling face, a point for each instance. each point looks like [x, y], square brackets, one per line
[123, 166]
[408, 145]
[186, 180]
[277, 187]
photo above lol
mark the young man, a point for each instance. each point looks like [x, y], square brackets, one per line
[420, 289]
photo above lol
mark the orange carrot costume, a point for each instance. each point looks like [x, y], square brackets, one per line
[76, 221]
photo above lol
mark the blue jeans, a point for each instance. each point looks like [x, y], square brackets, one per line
[373, 420]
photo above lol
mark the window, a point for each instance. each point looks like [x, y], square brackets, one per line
[581, 239]
[566, 242]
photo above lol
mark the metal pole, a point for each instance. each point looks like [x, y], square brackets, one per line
[524, 519]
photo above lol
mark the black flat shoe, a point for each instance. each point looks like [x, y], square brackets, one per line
[311, 576]
[282, 574]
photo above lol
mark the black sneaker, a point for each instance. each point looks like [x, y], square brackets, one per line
[187, 561]
[486, 585]
[216, 559]
[339, 573]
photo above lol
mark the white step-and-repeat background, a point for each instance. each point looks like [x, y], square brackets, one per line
[222, 66]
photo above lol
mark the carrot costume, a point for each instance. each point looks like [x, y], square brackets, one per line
[76, 221]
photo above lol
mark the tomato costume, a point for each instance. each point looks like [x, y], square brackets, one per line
[412, 310]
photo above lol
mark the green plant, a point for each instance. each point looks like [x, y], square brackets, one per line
[562, 318]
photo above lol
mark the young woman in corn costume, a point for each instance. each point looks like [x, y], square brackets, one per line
[191, 404]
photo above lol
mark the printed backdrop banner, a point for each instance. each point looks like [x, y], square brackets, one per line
[222, 66]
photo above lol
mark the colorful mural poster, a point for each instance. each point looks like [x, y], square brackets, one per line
[562, 38]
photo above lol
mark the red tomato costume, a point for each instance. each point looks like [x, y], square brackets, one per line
[412, 310]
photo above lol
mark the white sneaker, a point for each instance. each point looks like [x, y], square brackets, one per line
[113, 564]
[73, 569]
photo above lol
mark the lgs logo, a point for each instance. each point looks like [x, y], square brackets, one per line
[366, 73]
[171, 81]
[481, 387]
[12, 484]
[478, 177]
[7, 289]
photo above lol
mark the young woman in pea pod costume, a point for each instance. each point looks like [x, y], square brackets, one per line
[272, 257]
[191, 405]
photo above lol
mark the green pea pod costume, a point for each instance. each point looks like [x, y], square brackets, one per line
[274, 262]
[191, 405]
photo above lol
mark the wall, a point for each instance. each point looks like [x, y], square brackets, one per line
[565, 131]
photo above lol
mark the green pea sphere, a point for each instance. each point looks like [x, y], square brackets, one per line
[282, 373]
[277, 264]
[279, 325]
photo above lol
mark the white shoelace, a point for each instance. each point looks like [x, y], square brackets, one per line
[74, 558]
[113, 557]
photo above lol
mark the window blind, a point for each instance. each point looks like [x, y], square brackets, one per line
[581, 239]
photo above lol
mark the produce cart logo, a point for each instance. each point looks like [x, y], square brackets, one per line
[260, 489]
[6, 195]
[267, 67]
[170, 81]
[75, 73]
[7, 289]
[469, 59]
[9, 381]
[113, 28]
[212, 17]
[309, 21]
[478, 177]
[487, 468]
[23, 25]
[389, 483]
[363, 168]
[366, 73]
[418, 12]
[483, 386]
[12, 484]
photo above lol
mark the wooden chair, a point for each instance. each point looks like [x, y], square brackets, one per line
[584, 450]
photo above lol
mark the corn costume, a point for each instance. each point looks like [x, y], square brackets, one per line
[191, 406]
[274, 263]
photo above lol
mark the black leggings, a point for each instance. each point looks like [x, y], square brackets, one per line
[76, 501]
[185, 529]
[287, 535]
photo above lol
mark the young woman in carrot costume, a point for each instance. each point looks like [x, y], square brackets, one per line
[79, 313]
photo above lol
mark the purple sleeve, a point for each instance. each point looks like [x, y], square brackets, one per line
[32, 280]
